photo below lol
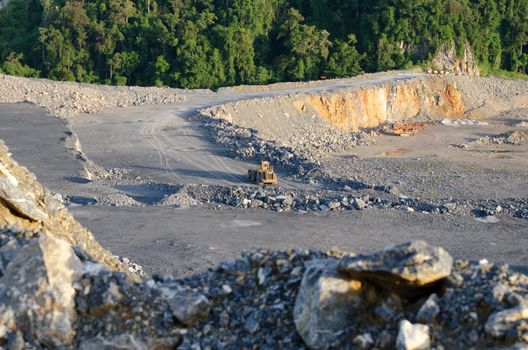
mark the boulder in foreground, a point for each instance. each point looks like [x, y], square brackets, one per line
[407, 269]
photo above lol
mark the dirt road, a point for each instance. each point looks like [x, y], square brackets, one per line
[159, 143]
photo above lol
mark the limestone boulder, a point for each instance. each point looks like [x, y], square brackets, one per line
[500, 323]
[413, 336]
[189, 307]
[327, 303]
[407, 269]
[37, 294]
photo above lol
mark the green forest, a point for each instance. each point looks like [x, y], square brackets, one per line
[213, 43]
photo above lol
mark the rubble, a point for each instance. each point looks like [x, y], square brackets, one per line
[119, 200]
[67, 99]
[513, 137]
[265, 299]
[334, 311]
[413, 336]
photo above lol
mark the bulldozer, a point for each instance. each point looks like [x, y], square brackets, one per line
[264, 174]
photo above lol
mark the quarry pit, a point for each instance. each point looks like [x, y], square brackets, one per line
[159, 175]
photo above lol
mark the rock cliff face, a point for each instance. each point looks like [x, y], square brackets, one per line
[353, 110]
[447, 60]
[293, 119]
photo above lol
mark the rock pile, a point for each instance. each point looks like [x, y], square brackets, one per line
[513, 137]
[310, 135]
[296, 299]
[284, 199]
[66, 99]
[118, 200]
[52, 295]
[57, 291]
[274, 198]
[245, 144]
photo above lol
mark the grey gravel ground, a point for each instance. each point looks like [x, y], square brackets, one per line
[183, 241]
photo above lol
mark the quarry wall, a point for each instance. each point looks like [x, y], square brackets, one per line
[288, 119]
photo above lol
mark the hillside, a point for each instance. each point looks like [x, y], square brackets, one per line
[213, 43]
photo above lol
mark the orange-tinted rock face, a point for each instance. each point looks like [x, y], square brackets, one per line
[370, 107]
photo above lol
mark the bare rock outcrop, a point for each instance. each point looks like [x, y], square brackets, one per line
[448, 60]
[36, 291]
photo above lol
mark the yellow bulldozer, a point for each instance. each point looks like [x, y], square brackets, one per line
[264, 174]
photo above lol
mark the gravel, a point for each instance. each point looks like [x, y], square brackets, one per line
[65, 99]
[513, 137]
[253, 298]
[119, 200]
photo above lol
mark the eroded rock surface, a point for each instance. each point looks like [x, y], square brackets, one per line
[448, 60]
[407, 269]
[36, 291]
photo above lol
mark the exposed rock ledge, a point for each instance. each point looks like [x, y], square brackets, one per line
[57, 290]
[27, 206]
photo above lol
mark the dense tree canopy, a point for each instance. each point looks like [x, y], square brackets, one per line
[212, 43]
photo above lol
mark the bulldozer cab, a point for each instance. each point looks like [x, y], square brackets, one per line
[264, 174]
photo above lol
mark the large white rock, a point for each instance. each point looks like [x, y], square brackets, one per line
[37, 294]
[326, 304]
[413, 336]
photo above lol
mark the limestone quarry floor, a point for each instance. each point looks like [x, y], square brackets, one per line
[431, 164]
[158, 144]
[181, 241]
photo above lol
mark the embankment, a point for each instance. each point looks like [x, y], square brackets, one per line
[308, 120]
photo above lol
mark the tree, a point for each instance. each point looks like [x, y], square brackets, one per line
[122, 65]
[345, 60]
[212, 43]
[14, 66]
[306, 47]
